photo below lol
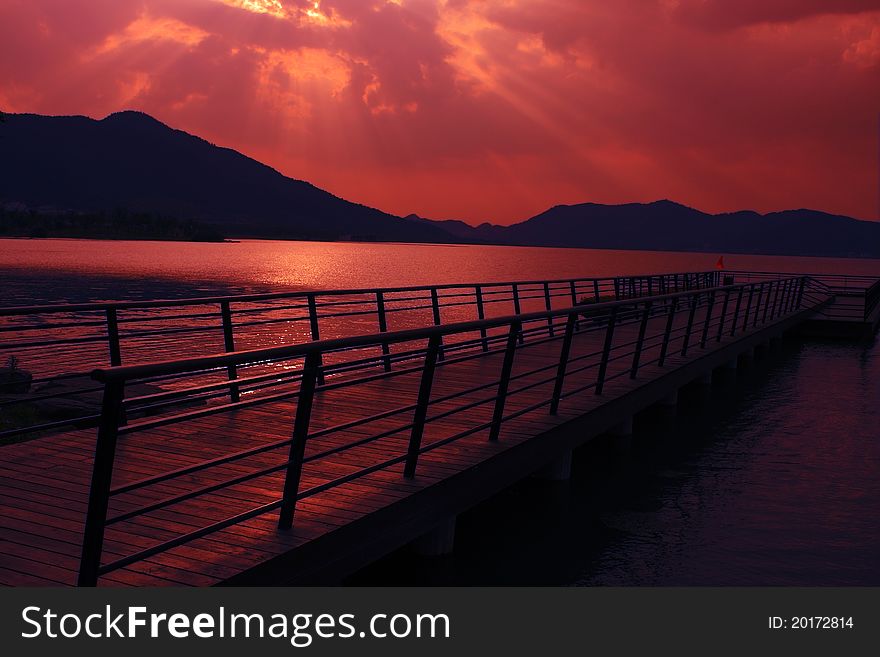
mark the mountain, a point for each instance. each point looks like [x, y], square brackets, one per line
[485, 233]
[668, 226]
[133, 162]
[134, 170]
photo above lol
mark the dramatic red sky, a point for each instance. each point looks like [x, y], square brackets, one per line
[486, 109]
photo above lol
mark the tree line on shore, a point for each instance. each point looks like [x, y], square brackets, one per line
[118, 224]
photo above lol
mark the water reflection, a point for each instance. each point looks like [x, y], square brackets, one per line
[92, 270]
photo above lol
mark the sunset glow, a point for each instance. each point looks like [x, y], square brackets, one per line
[486, 110]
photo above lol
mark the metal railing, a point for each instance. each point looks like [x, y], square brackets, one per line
[856, 296]
[60, 344]
[598, 343]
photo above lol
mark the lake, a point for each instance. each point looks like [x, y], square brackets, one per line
[58, 270]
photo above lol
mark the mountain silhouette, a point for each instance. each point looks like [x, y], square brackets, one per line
[668, 226]
[131, 161]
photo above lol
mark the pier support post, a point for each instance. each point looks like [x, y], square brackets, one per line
[558, 470]
[622, 436]
[669, 404]
[727, 372]
[437, 542]
[703, 386]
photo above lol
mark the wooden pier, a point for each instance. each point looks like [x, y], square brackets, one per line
[301, 463]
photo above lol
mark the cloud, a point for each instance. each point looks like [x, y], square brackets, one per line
[486, 109]
[731, 14]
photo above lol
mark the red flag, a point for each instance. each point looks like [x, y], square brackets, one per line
[720, 263]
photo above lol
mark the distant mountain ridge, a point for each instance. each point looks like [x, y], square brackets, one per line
[668, 226]
[132, 161]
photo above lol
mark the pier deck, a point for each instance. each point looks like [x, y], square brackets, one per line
[174, 476]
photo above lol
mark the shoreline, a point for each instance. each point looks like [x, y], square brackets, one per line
[245, 238]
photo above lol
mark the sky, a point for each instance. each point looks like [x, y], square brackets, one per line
[487, 110]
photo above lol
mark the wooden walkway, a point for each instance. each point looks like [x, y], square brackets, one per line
[44, 482]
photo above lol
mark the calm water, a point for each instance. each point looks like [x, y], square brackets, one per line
[57, 270]
[770, 480]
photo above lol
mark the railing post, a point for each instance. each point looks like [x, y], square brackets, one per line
[800, 296]
[99, 490]
[596, 290]
[517, 310]
[435, 309]
[773, 310]
[421, 412]
[504, 381]
[549, 307]
[705, 337]
[694, 299]
[735, 319]
[667, 333]
[229, 346]
[574, 303]
[113, 337]
[789, 288]
[311, 371]
[770, 286]
[481, 314]
[733, 323]
[758, 303]
[779, 299]
[748, 307]
[563, 362]
[616, 288]
[606, 351]
[383, 328]
[316, 333]
[724, 306]
[640, 341]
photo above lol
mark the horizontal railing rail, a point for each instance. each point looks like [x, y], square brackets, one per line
[856, 296]
[872, 301]
[57, 345]
[620, 339]
[835, 281]
[684, 279]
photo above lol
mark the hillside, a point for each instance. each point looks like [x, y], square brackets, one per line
[131, 161]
